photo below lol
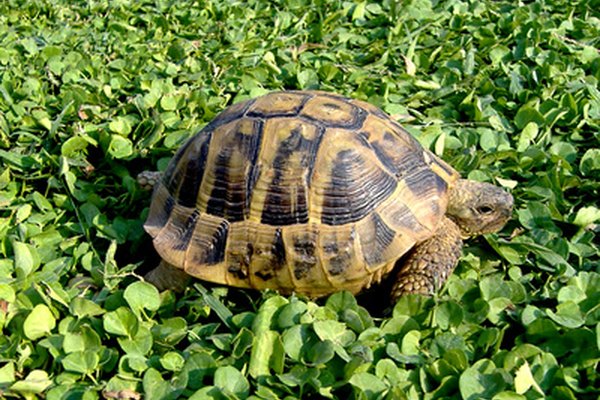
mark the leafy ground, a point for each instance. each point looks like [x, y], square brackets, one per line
[93, 92]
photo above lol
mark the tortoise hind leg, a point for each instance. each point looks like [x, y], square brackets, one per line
[167, 276]
[430, 263]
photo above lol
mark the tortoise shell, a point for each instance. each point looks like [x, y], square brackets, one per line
[299, 191]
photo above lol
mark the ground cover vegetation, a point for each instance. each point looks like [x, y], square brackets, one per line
[93, 92]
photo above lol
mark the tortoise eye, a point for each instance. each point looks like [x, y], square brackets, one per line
[485, 209]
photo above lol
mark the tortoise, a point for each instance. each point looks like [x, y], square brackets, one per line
[313, 193]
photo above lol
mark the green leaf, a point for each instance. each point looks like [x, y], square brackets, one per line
[598, 335]
[140, 344]
[527, 115]
[524, 380]
[142, 295]
[482, 380]
[155, 387]
[120, 322]
[34, 383]
[232, 381]
[337, 333]
[368, 384]
[81, 307]
[120, 147]
[24, 259]
[120, 125]
[266, 354]
[39, 322]
[567, 314]
[7, 293]
[590, 162]
[7, 374]
[322, 352]
[586, 216]
[172, 361]
[82, 362]
[74, 146]
[528, 134]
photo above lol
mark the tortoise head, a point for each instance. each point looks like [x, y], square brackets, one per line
[478, 207]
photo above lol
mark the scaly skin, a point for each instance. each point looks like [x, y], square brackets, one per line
[474, 208]
[430, 263]
[148, 179]
[166, 276]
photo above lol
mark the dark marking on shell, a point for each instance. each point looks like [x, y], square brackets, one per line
[337, 265]
[382, 151]
[187, 231]
[382, 236]
[440, 184]
[359, 118]
[279, 248]
[264, 275]
[277, 260]
[159, 216]
[404, 217]
[282, 206]
[231, 113]
[422, 181]
[351, 194]
[305, 260]
[239, 264]
[216, 249]
[185, 172]
[230, 198]
[332, 105]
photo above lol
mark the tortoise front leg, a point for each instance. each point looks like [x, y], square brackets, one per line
[167, 276]
[430, 263]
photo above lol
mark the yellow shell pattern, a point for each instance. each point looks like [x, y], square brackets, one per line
[305, 192]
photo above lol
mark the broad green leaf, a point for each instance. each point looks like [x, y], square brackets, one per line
[139, 344]
[242, 343]
[590, 162]
[39, 323]
[7, 374]
[197, 367]
[410, 343]
[172, 361]
[528, 134]
[293, 340]
[567, 314]
[267, 353]
[155, 387]
[290, 314]
[142, 295]
[369, 385]
[74, 146]
[34, 383]
[82, 307]
[25, 261]
[587, 215]
[120, 125]
[82, 362]
[120, 147]
[481, 380]
[322, 352]
[120, 322]
[83, 339]
[7, 293]
[524, 380]
[528, 114]
[232, 381]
